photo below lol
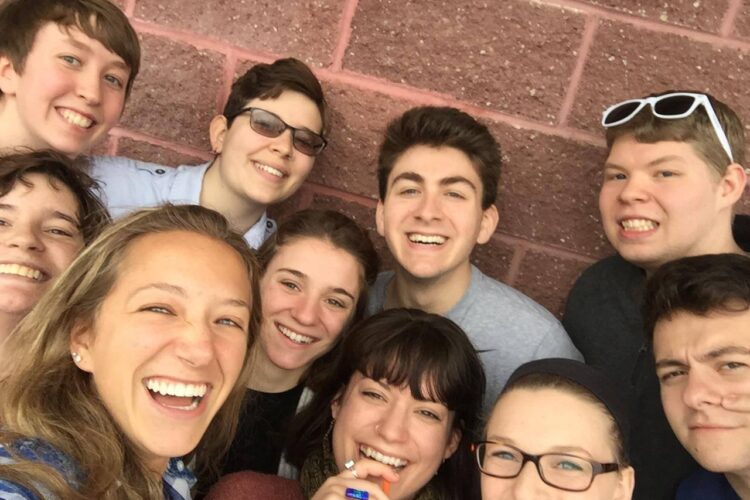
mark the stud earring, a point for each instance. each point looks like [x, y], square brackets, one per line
[76, 357]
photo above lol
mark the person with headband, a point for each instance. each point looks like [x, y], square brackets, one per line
[134, 359]
[672, 178]
[558, 430]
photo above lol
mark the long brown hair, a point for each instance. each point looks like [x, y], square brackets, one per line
[47, 397]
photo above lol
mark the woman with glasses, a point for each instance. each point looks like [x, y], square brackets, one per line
[395, 418]
[558, 430]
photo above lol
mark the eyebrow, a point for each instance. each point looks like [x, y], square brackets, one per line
[55, 214]
[553, 449]
[301, 275]
[118, 63]
[415, 177]
[177, 290]
[710, 355]
[652, 163]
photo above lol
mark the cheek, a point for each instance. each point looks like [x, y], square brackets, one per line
[230, 353]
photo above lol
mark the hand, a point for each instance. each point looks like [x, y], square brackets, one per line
[335, 487]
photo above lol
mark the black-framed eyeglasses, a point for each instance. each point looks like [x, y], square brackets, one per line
[271, 125]
[560, 470]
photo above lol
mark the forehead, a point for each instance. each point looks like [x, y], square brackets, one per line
[295, 108]
[44, 189]
[435, 163]
[539, 419]
[52, 36]
[318, 259]
[626, 151]
[689, 334]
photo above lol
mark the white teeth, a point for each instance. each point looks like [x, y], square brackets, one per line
[638, 224]
[21, 270]
[295, 337]
[383, 459]
[269, 169]
[176, 388]
[76, 118]
[429, 239]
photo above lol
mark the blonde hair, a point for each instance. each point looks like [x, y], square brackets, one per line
[46, 396]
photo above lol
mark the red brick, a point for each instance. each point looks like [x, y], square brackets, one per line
[702, 14]
[301, 28]
[548, 278]
[515, 56]
[548, 190]
[175, 94]
[742, 23]
[494, 258]
[358, 120]
[627, 62]
[149, 152]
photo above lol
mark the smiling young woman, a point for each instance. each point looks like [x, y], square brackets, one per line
[135, 358]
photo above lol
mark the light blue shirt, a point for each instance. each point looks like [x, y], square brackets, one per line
[128, 185]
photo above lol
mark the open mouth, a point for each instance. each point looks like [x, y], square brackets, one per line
[638, 225]
[427, 239]
[77, 119]
[269, 169]
[176, 395]
[23, 271]
[395, 462]
[295, 337]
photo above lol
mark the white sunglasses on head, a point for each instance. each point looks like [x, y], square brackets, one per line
[669, 107]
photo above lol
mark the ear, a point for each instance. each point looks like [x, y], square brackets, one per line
[626, 484]
[216, 132]
[8, 76]
[336, 404]
[453, 442]
[732, 185]
[81, 341]
[490, 218]
[379, 218]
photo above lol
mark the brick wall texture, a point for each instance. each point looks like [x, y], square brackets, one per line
[538, 73]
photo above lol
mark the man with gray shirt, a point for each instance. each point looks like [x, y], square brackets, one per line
[438, 172]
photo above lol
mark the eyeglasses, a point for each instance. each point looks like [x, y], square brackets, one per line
[559, 470]
[270, 125]
[669, 107]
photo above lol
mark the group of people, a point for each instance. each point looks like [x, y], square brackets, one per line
[162, 337]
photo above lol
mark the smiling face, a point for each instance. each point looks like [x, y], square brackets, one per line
[70, 94]
[39, 237]
[545, 420]
[700, 361]
[385, 423]
[431, 216]
[661, 201]
[169, 340]
[259, 169]
[309, 292]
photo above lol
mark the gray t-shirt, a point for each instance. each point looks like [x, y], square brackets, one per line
[505, 326]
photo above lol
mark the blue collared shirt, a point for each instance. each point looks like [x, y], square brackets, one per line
[176, 480]
[705, 485]
[128, 185]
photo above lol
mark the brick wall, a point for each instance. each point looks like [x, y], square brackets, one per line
[538, 73]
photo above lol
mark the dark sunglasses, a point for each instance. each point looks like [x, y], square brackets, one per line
[270, 125]
[669, 107]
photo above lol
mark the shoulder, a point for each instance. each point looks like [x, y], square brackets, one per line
[376, 293]
[703, 484]
[35, 450]
[106, 167]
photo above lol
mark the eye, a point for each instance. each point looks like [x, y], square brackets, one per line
[732, 365]
[230, 322]
[71, 60]
[568, 465]
[504, 455]
[291, 285]
[408, 192]
[60, 232]
[337, 303]
[671, 375]
[373, 395]
[157, 309]
[665, 173]
[614, 176]
[455, 194]
[430, 414]
[4, 222]
[114, 81]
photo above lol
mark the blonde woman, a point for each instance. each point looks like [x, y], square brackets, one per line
[135, 357]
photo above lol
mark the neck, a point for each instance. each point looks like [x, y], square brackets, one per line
[268, 377]
[723, 245]
[434, 295]
[740, 483]
[217, 195]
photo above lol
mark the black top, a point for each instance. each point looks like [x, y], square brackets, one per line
[603, 318]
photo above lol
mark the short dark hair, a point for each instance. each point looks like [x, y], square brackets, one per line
[425, 352]
[100, 20]
[695, 129]
[442, 127]
[92, 214]
[268, 81]
[697, 285]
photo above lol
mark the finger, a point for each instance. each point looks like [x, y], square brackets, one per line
[367, 468]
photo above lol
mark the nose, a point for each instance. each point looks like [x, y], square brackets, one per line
[430, 207]
[305, 310]
[23, 236]
[634, 189]
[393, 426]
[194, 345]
[528, 484]
[701, 390]
[283, 144]
[89, 86]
